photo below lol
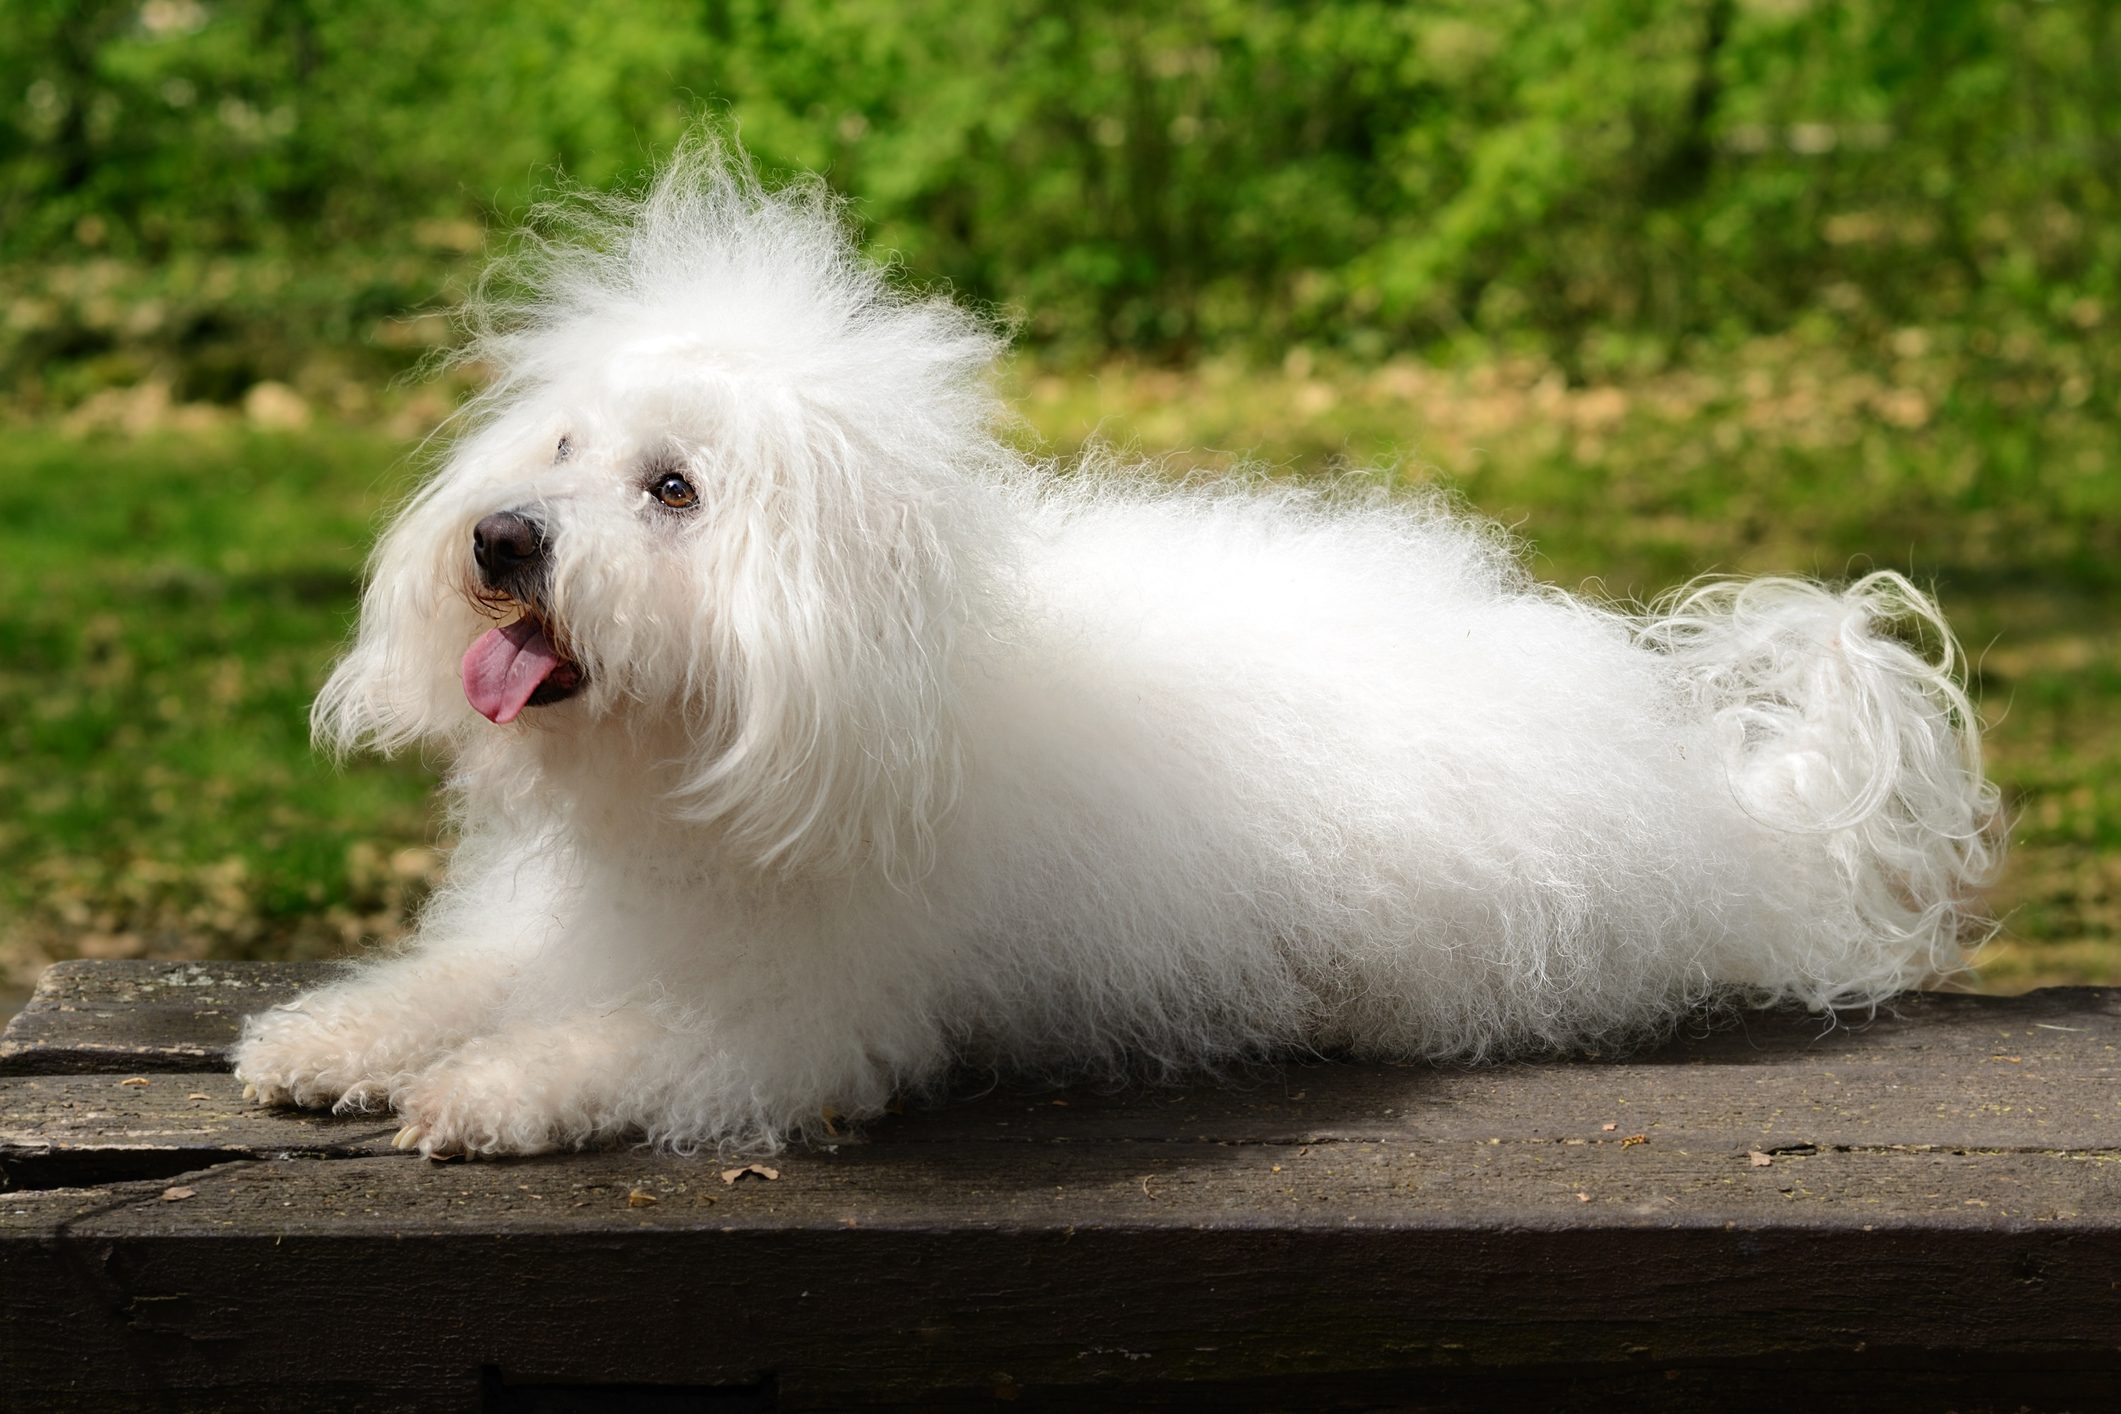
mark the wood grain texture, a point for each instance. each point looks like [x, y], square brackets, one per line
[1924, 1212]
[122, 1017]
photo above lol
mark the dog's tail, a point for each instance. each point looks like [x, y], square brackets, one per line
[1842, 718]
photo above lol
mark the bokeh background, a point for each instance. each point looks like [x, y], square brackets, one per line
[1667, 285]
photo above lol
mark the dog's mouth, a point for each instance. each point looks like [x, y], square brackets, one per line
[518, 665]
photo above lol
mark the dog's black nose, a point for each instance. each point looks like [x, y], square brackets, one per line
[506, 544]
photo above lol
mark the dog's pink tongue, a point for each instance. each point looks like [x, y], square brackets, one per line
[505, 666]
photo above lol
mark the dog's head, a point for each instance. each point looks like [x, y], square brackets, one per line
[724, 497]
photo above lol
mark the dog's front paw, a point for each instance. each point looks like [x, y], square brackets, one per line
[478, 1104]
[318, 1052]
[312, 1061]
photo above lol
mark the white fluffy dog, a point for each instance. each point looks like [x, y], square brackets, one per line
[828, 745]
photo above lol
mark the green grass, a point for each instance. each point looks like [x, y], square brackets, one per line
[167, 606]
[170, 599]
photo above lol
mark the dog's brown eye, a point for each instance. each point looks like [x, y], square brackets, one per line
[564, 451]
[675, 491]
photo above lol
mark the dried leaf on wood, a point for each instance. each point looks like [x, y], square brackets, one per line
[732, 1175]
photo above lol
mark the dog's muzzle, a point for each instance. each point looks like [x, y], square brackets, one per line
[523, 663]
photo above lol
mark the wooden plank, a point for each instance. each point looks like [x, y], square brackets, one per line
[2070, 1104]
[81, 1130]
[122, 1017]
[1027, 1259]
[1183, 1185]
[865, 1277]
[117, 1018]
[1936, 1224]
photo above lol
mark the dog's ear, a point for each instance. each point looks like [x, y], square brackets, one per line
[835, 599]
[395, 685]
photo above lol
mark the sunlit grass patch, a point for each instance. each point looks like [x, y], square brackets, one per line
[167, 606]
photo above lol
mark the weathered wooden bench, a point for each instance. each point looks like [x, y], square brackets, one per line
[1919, 1212]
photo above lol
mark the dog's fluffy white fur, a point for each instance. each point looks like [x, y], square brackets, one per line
[895, 752]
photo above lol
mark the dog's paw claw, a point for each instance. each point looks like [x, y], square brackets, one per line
[431, 1143]
[268, 1095]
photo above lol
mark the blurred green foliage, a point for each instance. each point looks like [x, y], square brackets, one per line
[223, 190]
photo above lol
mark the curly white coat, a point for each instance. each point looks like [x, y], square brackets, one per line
[898, 753]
